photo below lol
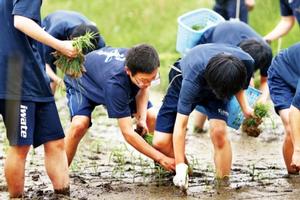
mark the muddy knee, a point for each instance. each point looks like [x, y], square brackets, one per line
[219, 137]
[78, 129]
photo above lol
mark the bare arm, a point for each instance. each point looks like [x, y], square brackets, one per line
[264, 88]
[33, 30]
[283, 27]
[242, 99]
[142, 146]
[51, 74]
[179, 137]
[141, 103]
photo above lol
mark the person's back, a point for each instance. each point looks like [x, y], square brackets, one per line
[194, 63]
[287, 66]
[106, 80]
[193, 67]
[229, 32]
[65, 25]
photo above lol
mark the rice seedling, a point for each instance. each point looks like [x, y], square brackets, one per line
[197, 27]
[74, 66]
[253, 172]
[148, 138]
[118, 156]
[251, 124]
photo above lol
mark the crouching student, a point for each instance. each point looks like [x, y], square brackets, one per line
[283, 81]
[243, 36]
[119, 79]
[65, 25]
[209, 75]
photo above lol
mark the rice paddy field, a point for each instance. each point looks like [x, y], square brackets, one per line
[105, 167]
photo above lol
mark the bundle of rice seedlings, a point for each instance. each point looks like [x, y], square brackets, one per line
[74, 66]
[148, 137]
[251, 124]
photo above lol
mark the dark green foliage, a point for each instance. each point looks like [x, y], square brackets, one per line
[197, 27]
[148, 138]
[250, 125]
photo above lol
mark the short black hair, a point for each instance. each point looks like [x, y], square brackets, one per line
[82, 29]
[259, 51]
[226, 75]
[142, 58]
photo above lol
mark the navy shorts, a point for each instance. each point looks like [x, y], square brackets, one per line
[215, 109]
[30, 123]
[81, 105]
[282, 94]
[166, 117]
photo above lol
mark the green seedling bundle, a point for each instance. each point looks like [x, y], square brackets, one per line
[74, 66]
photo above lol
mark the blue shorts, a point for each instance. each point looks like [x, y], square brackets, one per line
[81, 105]
[282, 94]
[215, 109]
[30, 123]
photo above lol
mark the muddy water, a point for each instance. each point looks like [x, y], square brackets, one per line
[106, 168]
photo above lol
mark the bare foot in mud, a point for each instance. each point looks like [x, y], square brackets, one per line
[296, 160]
[63, 191]
[199, 130]
[221, 182]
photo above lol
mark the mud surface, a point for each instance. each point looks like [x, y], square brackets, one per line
[106, 168]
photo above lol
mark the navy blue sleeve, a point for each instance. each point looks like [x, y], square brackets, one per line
[28, 8]
[117, 101]
[187, 97]
[285, 9]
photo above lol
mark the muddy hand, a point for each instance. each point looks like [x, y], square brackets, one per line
[181, 179]
[168, 163]
[141, 128]
[67, 49]
[249, 112]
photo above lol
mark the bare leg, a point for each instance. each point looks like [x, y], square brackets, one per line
[199, 119]
[288, 147]
[163, 143]
[79, 126]
[57, 165]
[151, 119]
[294, 117]
[222, 147]
[14, 169]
